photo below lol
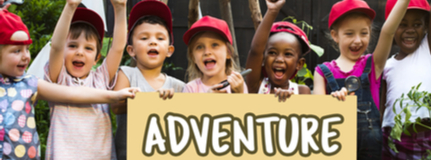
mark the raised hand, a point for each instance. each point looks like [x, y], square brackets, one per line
[119, 2]
[275, 5]
[283, 94]
[4, 7]
[74, 2]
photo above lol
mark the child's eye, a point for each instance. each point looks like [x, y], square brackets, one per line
[143, 38]
[272, 53]
[72, 46]
[199, 47]
[89, 48]
[402, 25]
[417, 25]
[364, 33]
[215, 44]
[17, 51]
[161, 38]
[288, 54]
[349, 33]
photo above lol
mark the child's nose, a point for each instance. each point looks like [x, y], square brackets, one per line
[79, 51]
[26, 55]
[357, 39]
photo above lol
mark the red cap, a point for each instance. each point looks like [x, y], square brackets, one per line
[414, 4]
[284, 26]
[11, 23]
[84, 15]
[208, 23]
[346, 6]
[154, 8]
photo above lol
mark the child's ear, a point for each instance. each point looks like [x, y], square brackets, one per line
[97, 59]
[130, 50]
[170, 50]
[334, 35]
[300, 63]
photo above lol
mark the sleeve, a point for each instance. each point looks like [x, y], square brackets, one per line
[318, 69]
[187, 88]
[61, 80]
[102, 75]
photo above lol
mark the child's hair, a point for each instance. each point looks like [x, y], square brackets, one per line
[76, 29]
[291, 28]
[218, 26]
[151, 19]
[193, 71]
[422, 5]
[89, 22]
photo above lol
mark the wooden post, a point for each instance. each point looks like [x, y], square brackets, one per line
[225, 7]
[193, 12]
[255, 10]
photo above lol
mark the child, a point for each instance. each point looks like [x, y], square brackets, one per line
[150, 41]
[281, 54]
[350, 27]
[19, 91]
[402, 71]
[209, 58]
[83, 130]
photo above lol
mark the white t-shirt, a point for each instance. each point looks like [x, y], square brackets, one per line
[401, 76]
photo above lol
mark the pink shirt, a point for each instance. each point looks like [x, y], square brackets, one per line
[356, 71]
[197, 86]
[81, 130]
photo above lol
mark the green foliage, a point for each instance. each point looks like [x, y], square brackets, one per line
[304, 73]
[40, 18]
[419, 100]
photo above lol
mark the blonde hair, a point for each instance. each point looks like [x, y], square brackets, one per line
[193, 71]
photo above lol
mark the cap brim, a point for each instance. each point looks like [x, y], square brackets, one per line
[192, 32]
[88, 16]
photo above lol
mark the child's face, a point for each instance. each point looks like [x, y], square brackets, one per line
[210, 54]
[80, 55]
[352, 36]
[14, 60]
[282, 58]
[150, 45]
[411, 31]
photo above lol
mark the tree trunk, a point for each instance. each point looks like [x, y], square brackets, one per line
[193, 12]
[225, 7]
[255, 10]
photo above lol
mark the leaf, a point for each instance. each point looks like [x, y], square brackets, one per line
[302, 72]
[317, 49]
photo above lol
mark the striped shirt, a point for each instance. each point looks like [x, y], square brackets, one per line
[81, 131]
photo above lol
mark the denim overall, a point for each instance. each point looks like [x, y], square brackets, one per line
[369, 134]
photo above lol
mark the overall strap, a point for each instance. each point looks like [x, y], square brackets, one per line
[331, 81]
[365, 75]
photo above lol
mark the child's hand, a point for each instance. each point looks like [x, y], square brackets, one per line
[166, 93]
[119, 2]
[283, 94]
[341, 94]
[74, 2]
[236, 82]
[124, 94]
[275, 5]
[214, 89]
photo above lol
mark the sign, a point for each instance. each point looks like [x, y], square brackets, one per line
[245, 126]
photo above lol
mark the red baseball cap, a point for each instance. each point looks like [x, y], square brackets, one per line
[11, 23]
[154, 8]
[284, 26]
[84, 15]
[208, 23]
[414, 4]
[347, 6]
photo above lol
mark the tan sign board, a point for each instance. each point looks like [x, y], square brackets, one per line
[241, 126]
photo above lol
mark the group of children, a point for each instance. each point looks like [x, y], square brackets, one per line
[80, 115]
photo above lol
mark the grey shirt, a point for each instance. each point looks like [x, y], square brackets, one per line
[136, 79]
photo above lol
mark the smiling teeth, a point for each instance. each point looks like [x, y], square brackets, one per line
[278, 69]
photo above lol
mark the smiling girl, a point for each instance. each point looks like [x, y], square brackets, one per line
[210, 54]
[350, 27]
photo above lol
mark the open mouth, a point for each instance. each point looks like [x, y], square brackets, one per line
[279, 72]
[409, 42]
[78, 63]
[153, 52]
[209, 64]
[22, 67]
[355, 50]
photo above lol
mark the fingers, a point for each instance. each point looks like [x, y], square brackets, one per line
[283, 94]
[214, 88]
[341, 94]
[166, 93]
[132, 92]
[236, 81]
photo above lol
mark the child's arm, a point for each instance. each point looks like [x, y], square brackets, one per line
[259, 42]
[318, 84]
[81, 95]
[383, 98]
[122, 82]
[115, 53]
[59, 39]
[385, 40]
